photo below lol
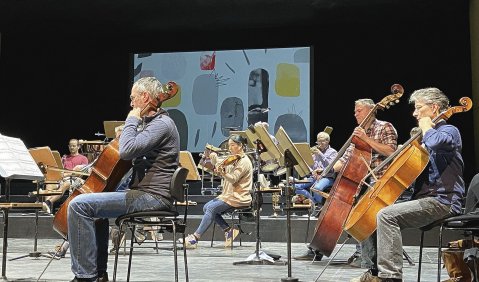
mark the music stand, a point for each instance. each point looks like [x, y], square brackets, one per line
[45, 156]
[109, 126]
[15, 163]
[58, 158]
[260, 137]
[305, 151]
[187, 161]
[292, 158]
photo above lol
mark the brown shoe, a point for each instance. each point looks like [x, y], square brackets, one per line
[366, 277]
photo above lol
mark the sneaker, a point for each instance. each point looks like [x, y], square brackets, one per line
[366, 277]
[355, 260]
[230, 235]
[298, 199]
[310, 255]
[157, 236]
[47, 207]
[190, 241]
[140, 236]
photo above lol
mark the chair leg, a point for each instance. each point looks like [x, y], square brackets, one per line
[233, 226]
[407, 257]
[175, 251]
[185, 258]
[439, 254]
[131, 252]
[213, 234]
[240, 231]
[420, 256]
[117, 250]
[307, 226]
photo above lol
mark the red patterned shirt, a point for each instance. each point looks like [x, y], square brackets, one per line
[382, 132]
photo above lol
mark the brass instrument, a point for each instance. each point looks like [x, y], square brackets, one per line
[314, 149]
[275, 197]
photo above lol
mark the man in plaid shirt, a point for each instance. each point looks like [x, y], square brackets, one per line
[382, 137]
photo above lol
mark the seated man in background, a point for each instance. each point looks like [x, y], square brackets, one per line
[72, 161]
[323, 155]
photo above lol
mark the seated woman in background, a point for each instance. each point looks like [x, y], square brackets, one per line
[237, 179]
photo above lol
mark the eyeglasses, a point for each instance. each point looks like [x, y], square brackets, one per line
[321, 141]
[133, 97]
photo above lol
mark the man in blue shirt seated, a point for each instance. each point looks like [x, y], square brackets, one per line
[438, 191]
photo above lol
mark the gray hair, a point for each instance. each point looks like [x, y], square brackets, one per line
[430, 95]
[323, 135]
[150, 85]
[366, 102]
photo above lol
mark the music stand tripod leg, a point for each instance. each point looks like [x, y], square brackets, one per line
[256, 259]
[289, 164]
[35, 253]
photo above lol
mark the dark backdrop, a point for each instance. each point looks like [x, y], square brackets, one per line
[63, 76]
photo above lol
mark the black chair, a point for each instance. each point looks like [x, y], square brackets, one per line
[467, 222]
[167, 220]
[237, 213]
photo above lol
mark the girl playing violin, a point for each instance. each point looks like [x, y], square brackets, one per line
[237, 174]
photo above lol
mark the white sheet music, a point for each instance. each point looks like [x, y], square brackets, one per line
[15, 160]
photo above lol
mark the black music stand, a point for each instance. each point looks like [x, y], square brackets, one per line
[15, 163]
[254, 134]
[292, 159]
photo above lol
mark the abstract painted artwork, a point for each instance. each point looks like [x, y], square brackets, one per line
[225, 90]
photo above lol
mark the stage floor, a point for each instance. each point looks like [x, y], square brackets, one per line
[206, 264]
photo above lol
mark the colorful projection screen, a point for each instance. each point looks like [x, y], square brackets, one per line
[229, 90]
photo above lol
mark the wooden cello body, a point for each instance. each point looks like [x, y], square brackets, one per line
[342, 195]
[105, 175]
[407, 163]
[407, 166]
[109, 169]
[339, 203]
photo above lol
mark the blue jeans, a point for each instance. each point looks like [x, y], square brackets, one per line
[88, 226]
[304, 188]
[213, 210]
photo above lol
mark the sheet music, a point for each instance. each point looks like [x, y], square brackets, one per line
[15, 160]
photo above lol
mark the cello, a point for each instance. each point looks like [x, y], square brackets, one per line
[339, 202]
[407, 163]
[108, 169]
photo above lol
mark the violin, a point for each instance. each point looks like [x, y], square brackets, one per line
[168, 91]
[228, 161]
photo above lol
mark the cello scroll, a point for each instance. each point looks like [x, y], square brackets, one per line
[168, 91]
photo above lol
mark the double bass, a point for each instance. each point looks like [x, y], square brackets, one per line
[108, 169]
[406, 163]
[339, 202]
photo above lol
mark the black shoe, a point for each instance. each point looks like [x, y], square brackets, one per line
[103, 277]
[310, 255]
[76, 279]
[355, 260]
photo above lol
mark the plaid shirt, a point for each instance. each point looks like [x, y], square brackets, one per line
[382, 132]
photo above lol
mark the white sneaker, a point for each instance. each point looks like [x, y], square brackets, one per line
[190, 241]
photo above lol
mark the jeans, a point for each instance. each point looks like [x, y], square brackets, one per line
[213, 210]
[390, 221]
[304, 188]
[88, 226]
